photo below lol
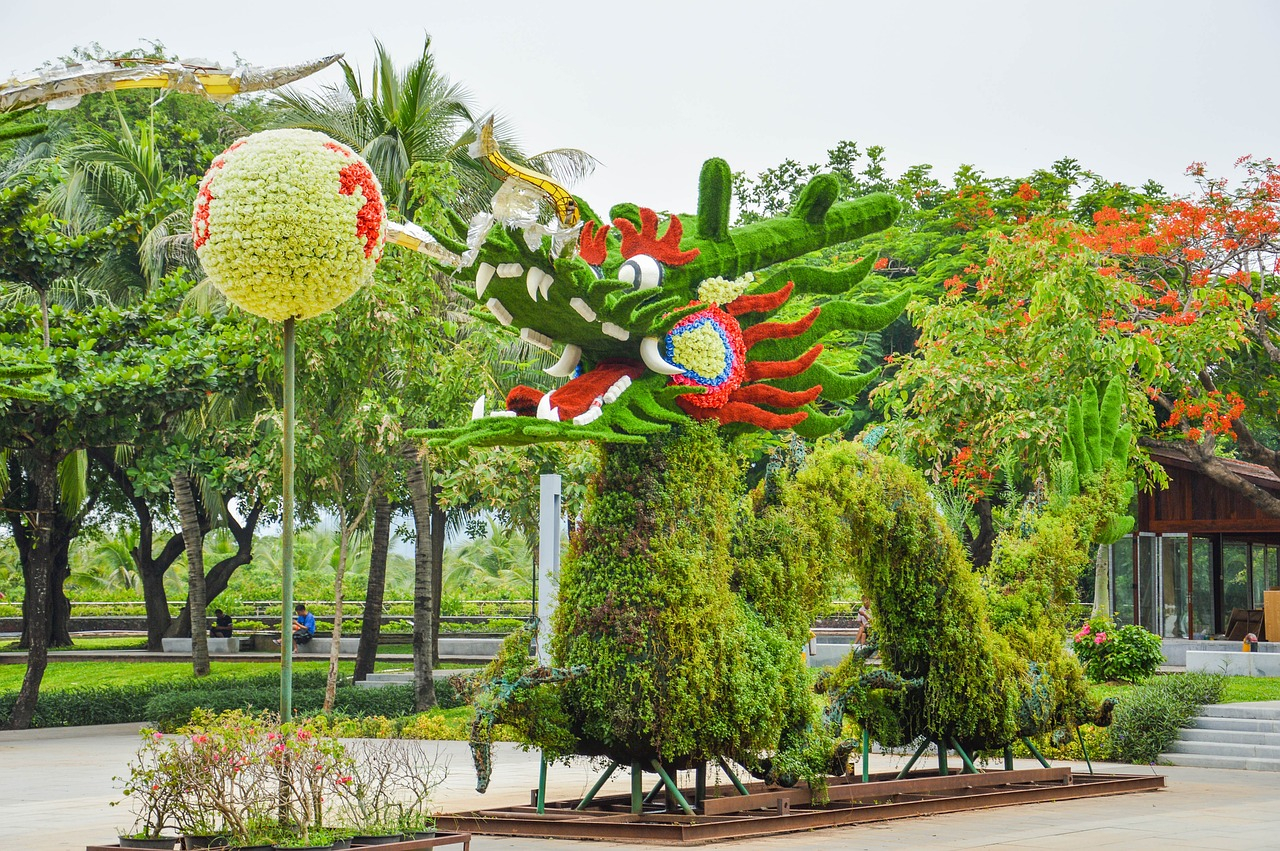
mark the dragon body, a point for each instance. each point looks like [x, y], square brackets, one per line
[684, 603]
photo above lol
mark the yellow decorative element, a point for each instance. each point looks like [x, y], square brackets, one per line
[486, 148]
[413, 237]
[722, 291]
[700, 350]
[276, 233]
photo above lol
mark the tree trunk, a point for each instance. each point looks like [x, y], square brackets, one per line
[982, 544]
[219, 576]
[423, 605]
[370, 632]
[21, 505]
[36, 606]
[193, 539]
[1102, 582]
[437, 571]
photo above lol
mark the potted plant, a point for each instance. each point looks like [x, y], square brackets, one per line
[153, 794]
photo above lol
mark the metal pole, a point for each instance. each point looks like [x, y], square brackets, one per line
[1008, 757]
[591, 794]
[1085, 749]
[907, 768]
[1035, 751]
[942, 759]
[964, 757]
[542, 784]
[286, 532]
[672, 788]
[866, 755]
[733, 778]
[700, 784]
[637, 789]
[549, 490]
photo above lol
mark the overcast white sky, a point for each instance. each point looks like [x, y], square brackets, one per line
[1131, 89]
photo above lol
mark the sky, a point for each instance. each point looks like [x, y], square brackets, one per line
[1133, 90]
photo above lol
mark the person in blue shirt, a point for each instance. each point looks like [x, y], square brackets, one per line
[304, 625]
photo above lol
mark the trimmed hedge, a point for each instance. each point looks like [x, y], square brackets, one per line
[1149, 717]
[170, 705]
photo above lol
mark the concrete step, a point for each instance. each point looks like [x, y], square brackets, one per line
[1230, 737]
[390, 677]
[1237, 725]
[1247, 751]
[1206, 761]
[1242, 710]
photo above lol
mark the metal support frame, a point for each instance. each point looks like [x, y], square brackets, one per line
[942, 759]
[1008, 757]
[594, 790]
[699, 783]
[1085, 749]
[866, 755]
[733, 778]
[653, 793]
[964, 757]
[1035, 751]
[672, 788]
[906, 769]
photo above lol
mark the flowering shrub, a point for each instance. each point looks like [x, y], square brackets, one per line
[709, 346]
[1129, 653]
[288, 223]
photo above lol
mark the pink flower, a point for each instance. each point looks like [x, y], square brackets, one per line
[344, 779]
[199, 739]
[157, 736]
[271, 737]
[279, 749]
[303, 735]
[1099, 638]
[1084, 630]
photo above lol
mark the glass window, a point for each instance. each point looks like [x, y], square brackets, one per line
[1148, 585]
[1235, 577]
[1258, 553]
[1122, 581]
[1202, 612]
[1173, 569]
[1273, 573]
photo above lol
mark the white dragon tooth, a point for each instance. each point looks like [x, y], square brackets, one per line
[477, 410]
[499, 310]
[531, 283]
[484, 274]
[545, 411]
[591, 415]
[509, 270]
[568, 362]
[617, 332]
[617, 389]
[533, 338]
[654, 360]
[584, 309]
[502, 413]
[544, 285]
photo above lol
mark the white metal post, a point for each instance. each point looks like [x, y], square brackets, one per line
[548, 560]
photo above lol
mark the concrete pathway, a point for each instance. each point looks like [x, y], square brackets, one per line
[56, 789]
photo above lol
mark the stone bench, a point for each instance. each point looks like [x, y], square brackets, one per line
[1234, 663]
[322, 645]
[216, 645]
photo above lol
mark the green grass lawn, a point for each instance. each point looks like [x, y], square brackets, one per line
[66, 675]
[1239, 689]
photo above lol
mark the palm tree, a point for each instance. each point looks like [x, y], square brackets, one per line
[412, 115]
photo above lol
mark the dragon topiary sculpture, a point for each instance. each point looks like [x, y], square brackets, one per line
[684, 607]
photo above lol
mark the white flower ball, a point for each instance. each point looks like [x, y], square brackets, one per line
[289, 223]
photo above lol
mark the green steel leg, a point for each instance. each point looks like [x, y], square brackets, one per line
[1008, 757]
[700, 784]
[637, 789]
[542, 784]
[1035, 751]
[286, 530]
[733, 778]
[866, 755]
[1085, 749]
[582, 805]
[906, 769]
[964, 757]
[942, 759]
[653, 793]
[672, 788]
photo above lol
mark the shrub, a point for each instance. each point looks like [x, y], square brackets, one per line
[1129, 653]
[1149, 716]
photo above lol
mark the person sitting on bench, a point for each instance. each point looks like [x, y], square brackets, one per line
[304, 625]
[221, 626]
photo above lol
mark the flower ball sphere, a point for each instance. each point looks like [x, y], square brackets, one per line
[288, 223]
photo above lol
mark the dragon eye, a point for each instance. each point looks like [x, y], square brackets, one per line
[642, 272]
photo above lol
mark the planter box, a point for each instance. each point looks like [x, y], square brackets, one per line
[441, 839]
[216, 645]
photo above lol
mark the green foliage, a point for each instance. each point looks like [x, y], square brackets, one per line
[1128, 653]
[1149, 717]
[1095, 459]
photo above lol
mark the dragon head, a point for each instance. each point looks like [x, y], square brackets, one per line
[659, 322]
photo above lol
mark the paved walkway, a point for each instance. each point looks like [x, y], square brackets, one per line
[56, 789]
